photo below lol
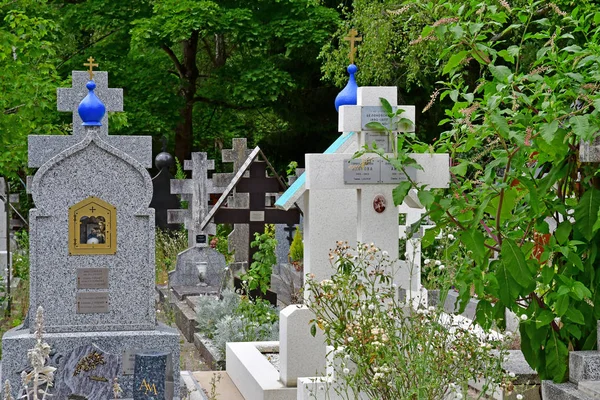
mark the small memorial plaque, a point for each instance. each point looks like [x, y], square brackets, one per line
[382, 140]
[389, 174]
[257, 216]
[362, 171]
[92, 278]
[375, 114]
[129, 361]
[92, 302]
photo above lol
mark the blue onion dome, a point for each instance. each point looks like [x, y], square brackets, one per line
[347, 97]
[91, 109]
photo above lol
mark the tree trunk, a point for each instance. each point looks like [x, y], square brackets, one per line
[184, 133]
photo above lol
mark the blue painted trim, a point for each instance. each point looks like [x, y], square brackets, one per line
[299, 184]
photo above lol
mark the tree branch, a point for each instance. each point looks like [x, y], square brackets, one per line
[12, 110]
[88, 46]
[180, 68]
[200, 99]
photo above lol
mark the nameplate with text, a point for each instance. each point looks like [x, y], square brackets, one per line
[92, 302]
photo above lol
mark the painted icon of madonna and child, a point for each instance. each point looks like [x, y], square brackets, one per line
[92, 230]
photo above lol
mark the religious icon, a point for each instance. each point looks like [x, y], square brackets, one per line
[92, 227]
[379, 204]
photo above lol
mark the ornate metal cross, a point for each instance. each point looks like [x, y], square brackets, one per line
[352, 38]
[90, 64]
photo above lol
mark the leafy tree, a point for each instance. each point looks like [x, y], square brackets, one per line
[232, 54]
[29, 79]
[519, 190]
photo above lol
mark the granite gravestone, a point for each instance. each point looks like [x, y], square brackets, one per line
[91, 248]
[162, 198]
[200, 269]
[150, 376]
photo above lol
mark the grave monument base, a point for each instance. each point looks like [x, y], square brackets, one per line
[17, 341]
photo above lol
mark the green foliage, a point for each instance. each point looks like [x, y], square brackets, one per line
[168, 245]
[29, 79]
[291, 168]
[523, 86]
[235, 318]
[386, 350]
[259, 273]
[297, 247]
[21, 256]
[220, 242]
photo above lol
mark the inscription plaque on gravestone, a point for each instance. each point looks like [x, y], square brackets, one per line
[257, 216]
[92, 302]
[375, 114]
[129, 361]
[92, 278]
[362, 171]
[373, 171]
[382, 140]
[389, 174]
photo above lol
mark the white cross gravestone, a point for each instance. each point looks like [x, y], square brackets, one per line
[43, 147]
[196, 192]
[347, 203]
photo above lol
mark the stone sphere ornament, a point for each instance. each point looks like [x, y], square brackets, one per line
[379, 203]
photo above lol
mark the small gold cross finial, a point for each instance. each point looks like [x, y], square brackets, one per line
[352, 38]
[91, 64]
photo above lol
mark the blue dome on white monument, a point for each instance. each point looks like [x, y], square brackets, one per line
[91, 109]
[347, 97]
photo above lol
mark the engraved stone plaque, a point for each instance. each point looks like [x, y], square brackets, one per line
[375, 114]
[382, 140]
[257, 216]
[362, 171]
[92, 302]
[92, 278]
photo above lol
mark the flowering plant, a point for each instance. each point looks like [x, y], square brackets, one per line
[384, 349]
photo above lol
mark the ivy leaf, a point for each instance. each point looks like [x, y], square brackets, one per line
[376, 126]
[500, 124]
[561, 305]
[562, 232]
[548, 130]
[400, 192]
[474, 241]
[426, 198]
[454, 61]
[387, 107]
[500, 72]
[575, 316]
[557, 355]
[582, 128]
[586, 213]
[506, 283]
[514, 261]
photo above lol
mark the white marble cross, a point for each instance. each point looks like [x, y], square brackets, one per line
[196, 192]
[350, 210]
[44, 147]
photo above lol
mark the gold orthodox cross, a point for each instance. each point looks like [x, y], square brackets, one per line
[352, 38]
[91, 64]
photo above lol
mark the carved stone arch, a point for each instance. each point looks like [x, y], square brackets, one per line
[92, 227]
